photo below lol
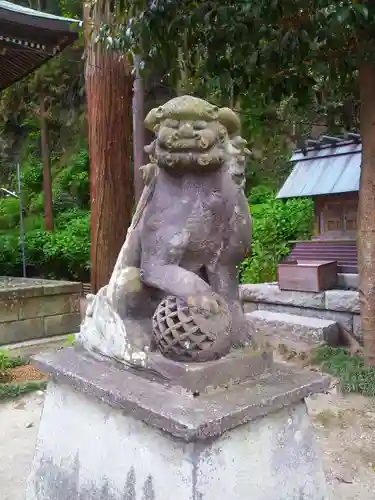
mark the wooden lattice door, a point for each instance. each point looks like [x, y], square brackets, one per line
[333, 219]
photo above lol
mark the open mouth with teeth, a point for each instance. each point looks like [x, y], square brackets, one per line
[213, 158]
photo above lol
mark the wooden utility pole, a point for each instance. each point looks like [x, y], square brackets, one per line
[366, 212]
[109, 101]
[139, 155]
[47, 178]
[45, 151]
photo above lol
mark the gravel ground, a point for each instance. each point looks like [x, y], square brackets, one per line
[18, 431]
[345, 430]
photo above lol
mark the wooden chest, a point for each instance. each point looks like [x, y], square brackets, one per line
[307, 276]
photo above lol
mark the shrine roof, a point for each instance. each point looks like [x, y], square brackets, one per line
[29, 38]
[326, 166]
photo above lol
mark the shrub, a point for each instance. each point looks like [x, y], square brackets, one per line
[31, 176]
[63, 254]
[71, 183]
[10, 255]
[275, 224]
[4, 366]
[260, 194]
[9, 212]
[7, 363]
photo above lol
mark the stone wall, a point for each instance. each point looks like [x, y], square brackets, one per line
[34, 309]
[341, 306]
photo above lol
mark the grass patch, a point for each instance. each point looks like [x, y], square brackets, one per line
[13, 390]
[70, 340]
[350, 369]
[9, 389]
[7, 363]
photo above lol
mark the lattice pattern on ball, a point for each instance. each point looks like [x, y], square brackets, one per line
[176, 333]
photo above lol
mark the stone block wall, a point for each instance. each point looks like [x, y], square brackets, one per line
[34, 309]
[341, 306]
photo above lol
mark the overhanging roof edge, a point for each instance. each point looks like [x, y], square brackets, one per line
[23, 15]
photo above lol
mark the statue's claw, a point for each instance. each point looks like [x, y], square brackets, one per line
[205, 302]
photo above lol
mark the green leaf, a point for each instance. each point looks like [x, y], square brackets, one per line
[361, 9]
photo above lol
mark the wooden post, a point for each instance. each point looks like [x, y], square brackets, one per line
[139, 156]
[109, 100]
[366, 211]
[47, 179]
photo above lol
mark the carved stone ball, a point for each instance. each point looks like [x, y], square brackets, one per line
[185, 333]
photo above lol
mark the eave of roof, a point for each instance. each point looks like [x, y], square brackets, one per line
[328, 169]
[29, 38]
[30, 17]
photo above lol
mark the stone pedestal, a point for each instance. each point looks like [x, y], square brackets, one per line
[109, 433]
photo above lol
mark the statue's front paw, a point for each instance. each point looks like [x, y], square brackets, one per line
[90, 304]
[205, 302]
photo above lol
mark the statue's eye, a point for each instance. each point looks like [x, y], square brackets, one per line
[171, 123]
[200, 125]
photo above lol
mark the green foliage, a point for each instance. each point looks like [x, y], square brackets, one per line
[354, 375]
[7, 363]
[10, 255]
[31, 176]
[70, 340]
[13, 390]
[260, 194]
[275, 225]
[64, 254]
[4, 366]
[9, 213]
[265, 51]
[71, 184]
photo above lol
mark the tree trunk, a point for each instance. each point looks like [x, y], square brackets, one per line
[47, 179]
[366, 213]
[109, 97]
[139, 155]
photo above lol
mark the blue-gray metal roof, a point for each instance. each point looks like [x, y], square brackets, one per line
[327, 169]
[19, 9]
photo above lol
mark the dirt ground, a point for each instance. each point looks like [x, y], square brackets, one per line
[345, 430]
[25, 373]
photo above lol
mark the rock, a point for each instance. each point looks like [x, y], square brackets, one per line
[291, 329]
[342, 300]
[250, 307]
[347, 281]
[272, 294]
[343, 319]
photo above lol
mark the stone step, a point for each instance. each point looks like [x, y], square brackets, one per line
[37, 346]
[300, 333]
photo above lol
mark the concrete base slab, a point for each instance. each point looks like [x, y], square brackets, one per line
[86, 450]
[32, 347]
[108, 433]
[236, 367]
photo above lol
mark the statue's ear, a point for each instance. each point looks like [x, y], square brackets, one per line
[230, 120]
[152, 119]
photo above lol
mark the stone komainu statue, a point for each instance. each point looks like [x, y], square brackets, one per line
[174, 287]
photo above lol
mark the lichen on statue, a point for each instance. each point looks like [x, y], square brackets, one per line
[174, 287]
